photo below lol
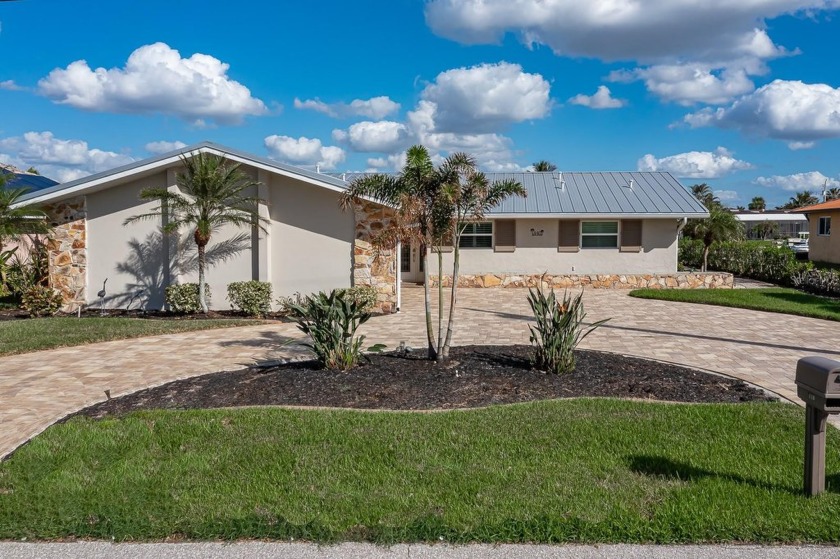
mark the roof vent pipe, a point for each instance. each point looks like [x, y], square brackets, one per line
[631, 184]
[317, 168]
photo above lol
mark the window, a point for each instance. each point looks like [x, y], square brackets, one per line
[477, 235]
[825, 226]
[405, 259]
[599, 234]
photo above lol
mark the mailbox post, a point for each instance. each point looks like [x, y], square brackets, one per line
[818, 384]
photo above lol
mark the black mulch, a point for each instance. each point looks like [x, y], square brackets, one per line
[475, 376]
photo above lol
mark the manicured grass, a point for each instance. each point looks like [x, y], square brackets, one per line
[21, 336]
[557, 471]
[774, 299]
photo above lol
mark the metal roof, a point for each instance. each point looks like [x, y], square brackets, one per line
[593, 194]
[79, 186]
[27, 180]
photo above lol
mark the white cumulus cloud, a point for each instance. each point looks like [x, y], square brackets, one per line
[155, 79]
[383, 136]
[58, 159]
[376, 107]
[695, 164]
[727, 195]
[601, 99]
[813, 181]
[794, 111]
[164, 146]
[487, 97]
[688, 84]
[10, 85]
[304, 151]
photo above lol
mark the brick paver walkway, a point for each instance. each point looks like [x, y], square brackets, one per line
[37, 389]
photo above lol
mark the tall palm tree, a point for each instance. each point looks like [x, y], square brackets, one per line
[422, 215]
[757, 204]
[832, 194]
[704, 193]
[800, 200]
[721, 225]
[544, 166]
[472, 195]
[213, 193]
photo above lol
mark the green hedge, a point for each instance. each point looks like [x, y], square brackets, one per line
[761, 260]
[251, 297]
[183, 297]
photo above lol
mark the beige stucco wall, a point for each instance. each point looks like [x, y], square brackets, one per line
[311, 238]
[824, 248]
[128, 256]
[538, 254]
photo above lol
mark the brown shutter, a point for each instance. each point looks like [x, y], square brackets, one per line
[631, 235]
[569, 236]
[504, 231]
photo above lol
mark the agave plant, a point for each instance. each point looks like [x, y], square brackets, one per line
[558, 330]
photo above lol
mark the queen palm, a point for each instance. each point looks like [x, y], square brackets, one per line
[704, 193]
[17, 218]
[212, 193]
[832, 194]
[800, 200]
[721, 225]
[757, 204]
[420, 215]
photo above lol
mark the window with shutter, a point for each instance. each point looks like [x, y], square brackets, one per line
[569, 236]
[505, 232]
[477, 235]
[599, 234]
[631, 235]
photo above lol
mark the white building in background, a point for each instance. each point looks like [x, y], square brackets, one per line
[785, 225]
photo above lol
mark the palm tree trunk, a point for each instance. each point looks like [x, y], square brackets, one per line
[440, 300]
[430, 334]
[202, 296]
[450, 325]
[705, 257]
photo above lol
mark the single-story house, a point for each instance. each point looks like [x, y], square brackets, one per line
[823, 247]
[783, 224]
[600, 229]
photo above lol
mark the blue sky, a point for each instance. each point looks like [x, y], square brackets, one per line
[741, 95]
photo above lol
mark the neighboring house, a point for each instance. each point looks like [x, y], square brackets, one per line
[15, 178]
[571, 224]
[786, 224]
[823, 246]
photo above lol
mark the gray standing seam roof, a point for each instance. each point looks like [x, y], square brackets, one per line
[570, 193]
[574, 193]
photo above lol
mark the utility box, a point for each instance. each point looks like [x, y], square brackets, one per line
[818, 384]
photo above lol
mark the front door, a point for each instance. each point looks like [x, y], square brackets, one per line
[411, 263]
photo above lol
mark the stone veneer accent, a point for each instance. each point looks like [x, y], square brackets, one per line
[679, 280]
[372, 266]
[67, 248]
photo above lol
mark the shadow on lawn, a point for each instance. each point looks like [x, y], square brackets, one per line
[661, 467]
[807, 299]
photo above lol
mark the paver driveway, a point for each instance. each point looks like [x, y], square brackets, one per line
[37, 389]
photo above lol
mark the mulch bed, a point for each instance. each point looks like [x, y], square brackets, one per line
[475, 376]
[19, 314]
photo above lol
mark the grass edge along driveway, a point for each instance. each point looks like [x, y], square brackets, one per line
[589, 470]
[771, 299]
[36, 334]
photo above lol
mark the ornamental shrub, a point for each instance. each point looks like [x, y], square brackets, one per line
[183, 297]
[364, 295]
[40, 300]
[330, 321]
[251, 297]
[821, 282]
[761, 260]
[558, 330]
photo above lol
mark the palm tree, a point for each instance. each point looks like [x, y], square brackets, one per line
[832, 194]
[800, 200]
[472, 195]
[757, 204]
[704, 193]
[17, 218]
[544, 166]
[422, 216]
[721, 225]
[212, 194]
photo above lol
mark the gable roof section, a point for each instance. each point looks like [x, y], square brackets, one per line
[27, 180]
[92, 182]
[830, 205]
[594, 195]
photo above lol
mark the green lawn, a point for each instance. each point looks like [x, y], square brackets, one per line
[774, 299]
[559, 471]
[21, 336]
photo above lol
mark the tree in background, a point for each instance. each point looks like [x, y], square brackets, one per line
[213, 193]
[721, 225]
[800, 200]
[704, 193]
[766, 230]
[832, 194]
[544, 166]
[16, 219]
[757, 204]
